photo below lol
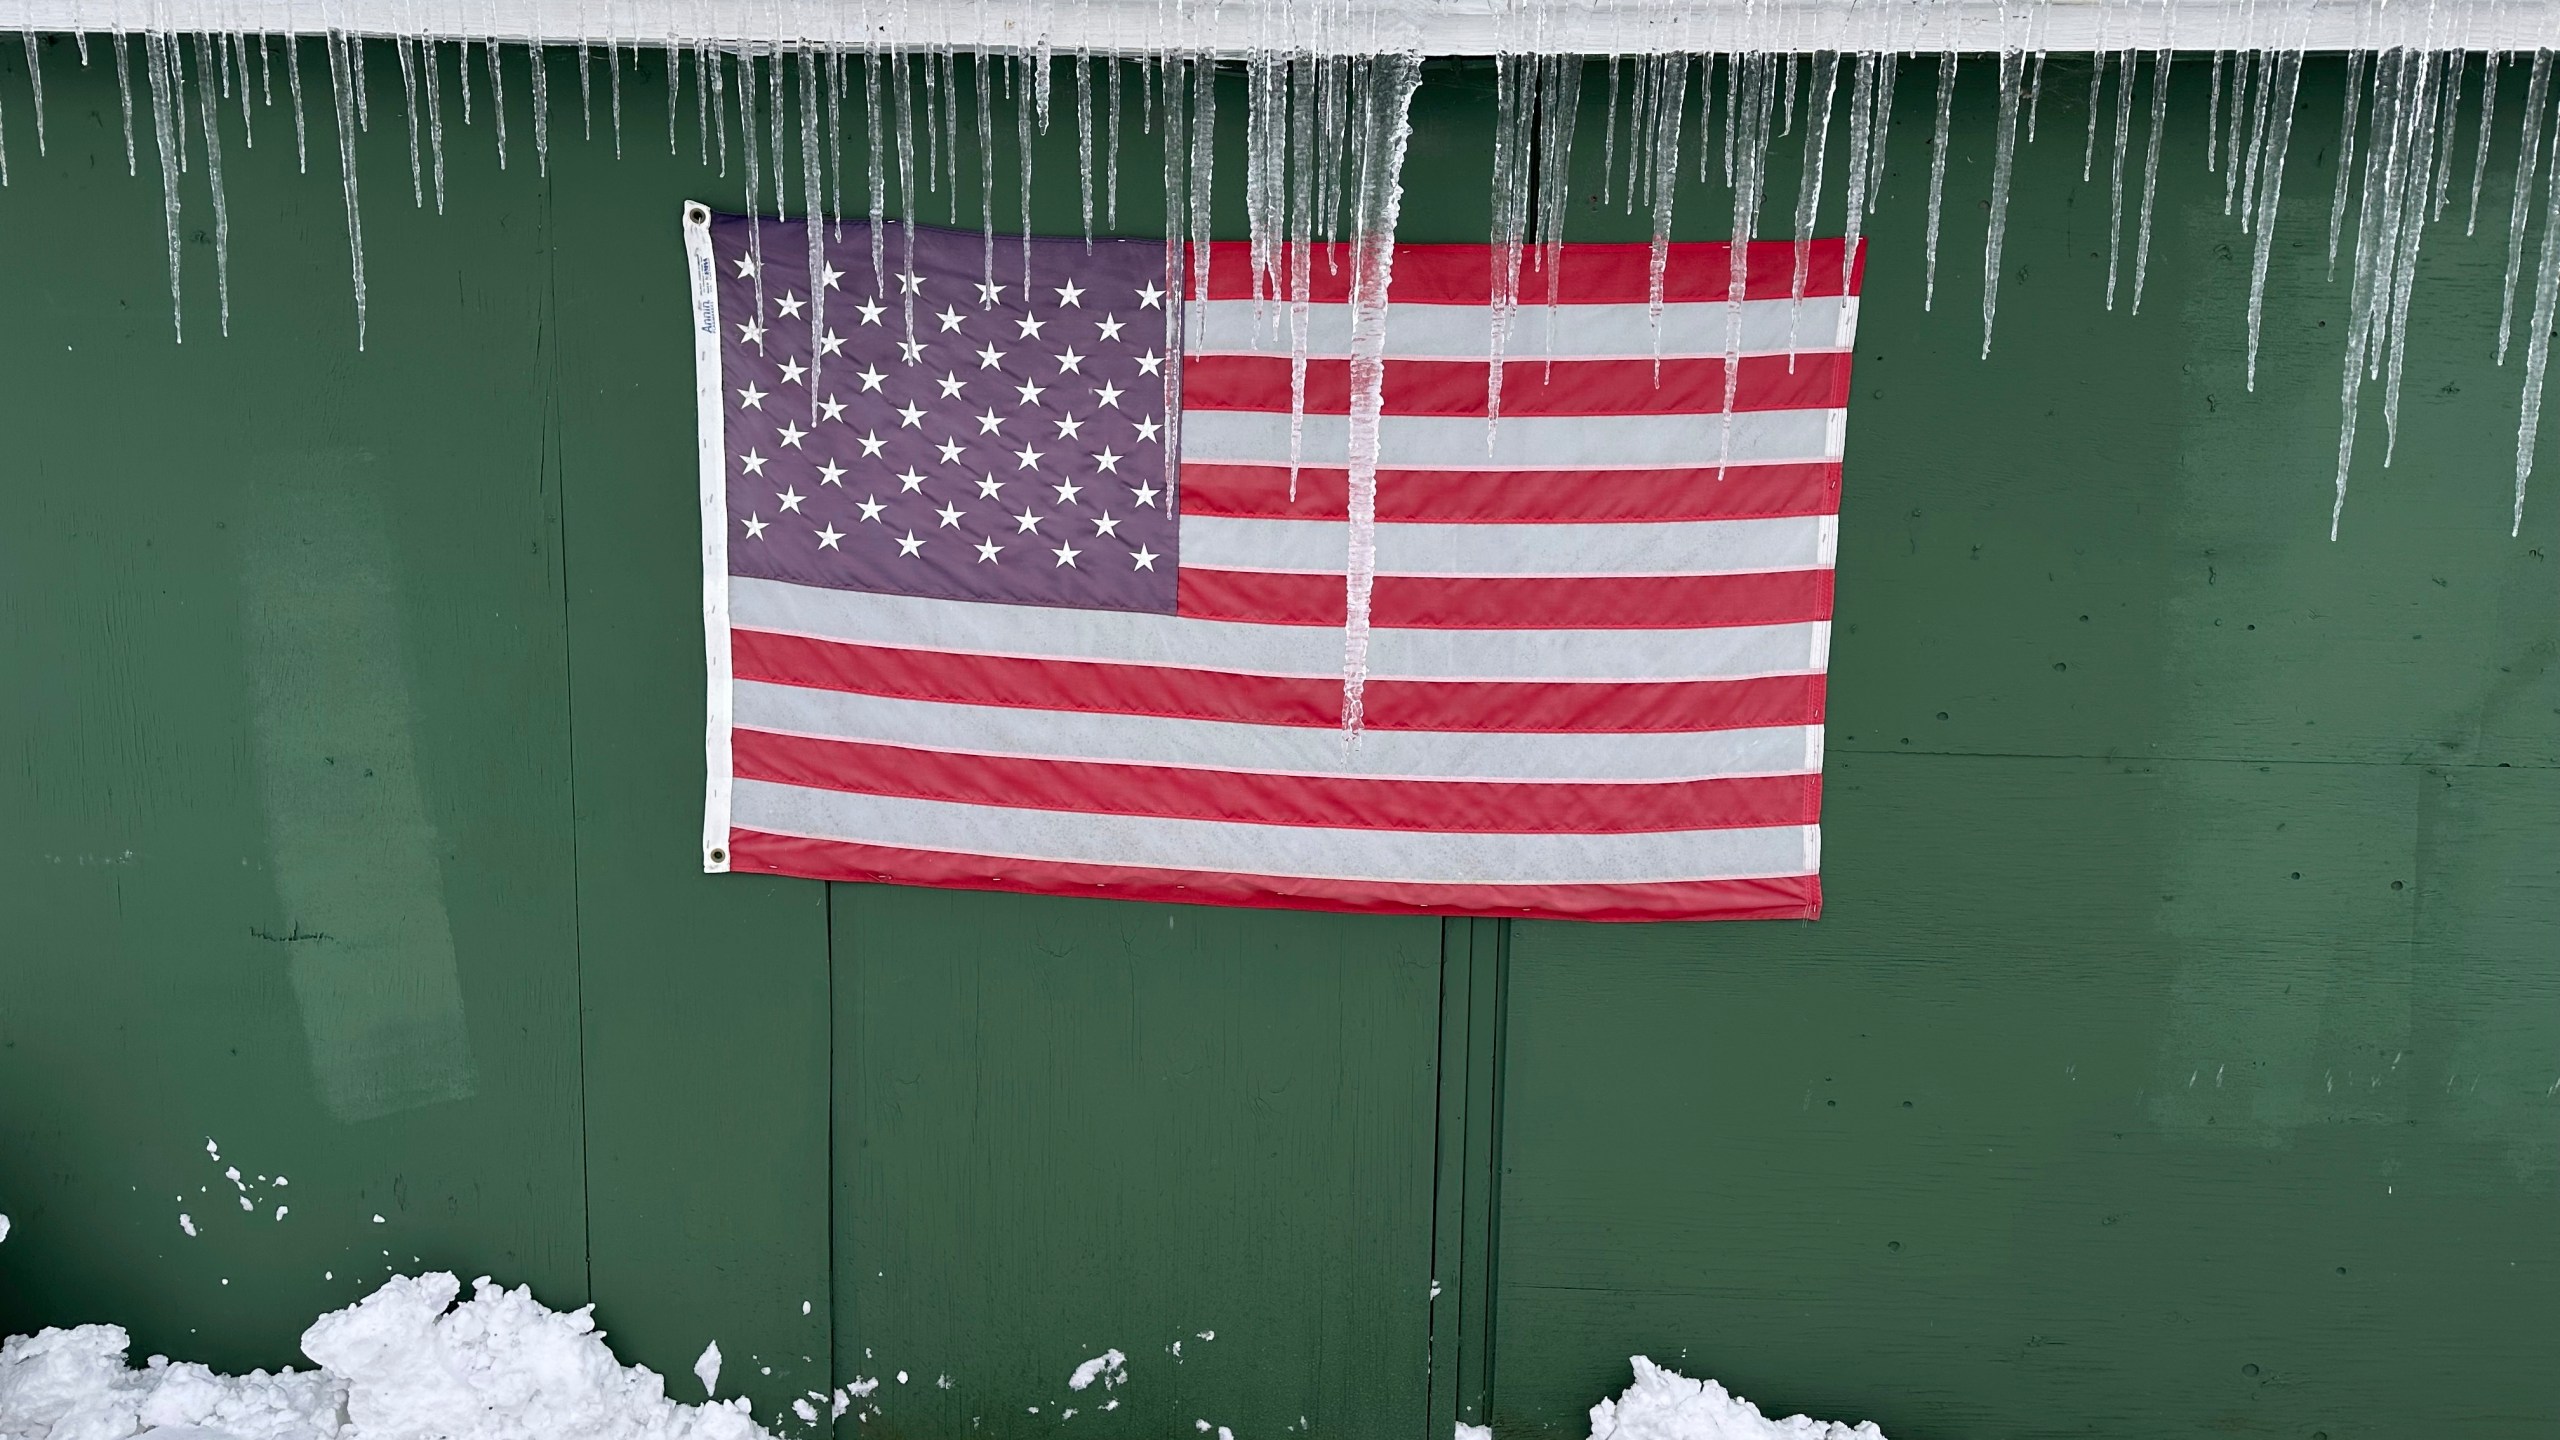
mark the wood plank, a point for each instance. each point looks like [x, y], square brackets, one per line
[1199, 1136]
[287, 815]
[705, 996]
[2074, 1104]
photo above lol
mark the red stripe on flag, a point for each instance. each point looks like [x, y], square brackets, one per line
[1816, 380]
[1593, 274]
[1252, 798]
[1742, 492]
[1518, 706]
[1436, 602]
[1793, 897]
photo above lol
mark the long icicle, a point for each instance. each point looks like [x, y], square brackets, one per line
[1385, 106]
[2528, 162]
[2005, 152]
[1938, 174]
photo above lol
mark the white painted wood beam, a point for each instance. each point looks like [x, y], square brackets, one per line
[1435, 27]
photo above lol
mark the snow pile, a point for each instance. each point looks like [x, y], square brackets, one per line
[1665, 1405]
[405, 1363]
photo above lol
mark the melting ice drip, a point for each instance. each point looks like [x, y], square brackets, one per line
[1328, 87]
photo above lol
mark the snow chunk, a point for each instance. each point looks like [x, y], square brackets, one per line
[74, 1383]
[1665, 1405]
[405, 1363]
[1110, 1367]
[706, 1368]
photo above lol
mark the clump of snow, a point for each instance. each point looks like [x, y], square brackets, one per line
[1474, 1432]
[1110, 1367]
[405, 1363]
[4, 1227]
[706, 1368]
[1665, 1405]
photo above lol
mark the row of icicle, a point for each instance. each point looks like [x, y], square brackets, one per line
[1325, 134]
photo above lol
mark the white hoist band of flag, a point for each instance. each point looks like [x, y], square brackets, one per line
[969, 625]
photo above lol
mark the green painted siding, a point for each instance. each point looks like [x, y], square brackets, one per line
[2175, 1056]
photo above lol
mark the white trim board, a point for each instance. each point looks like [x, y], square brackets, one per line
[1435, 27]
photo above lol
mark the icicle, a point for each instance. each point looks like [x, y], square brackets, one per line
[1304, 158]
[1671, 99]
[1609, 129]
[985, 90]
[409, 107]
[831, 91]
[538, 72]
[2270, 187]
[1750, 90]
[435, 114]
[1862, 91]
[1022, 118]
[2035, 94]
[2488, 118]
[813, 201]
[2151, 171]
[1560, 111]
[2420, 157]
[586, 55]
[710, 101]
[208, 65]
[1111, 149]
[2097, 82]
[2458, 63]
[342, 83]
[902, 116]
[240, 64]
[164, 133]
[2012, 71]
[1938, 176]
[2124, 132]
[2537, 351]
[875, 80]
[35, 81]
[613, 78]
[498, 98]
[2356, 61]
[124, 96]
[2259, 121]
[2367, 261]
[2213, 113]
[1514, 108]
[1817, 146]
[2241, 74]
[1204, 118]
[1885, 68]
[1385, 102]
[1084, 142]
[2528, 169]
[674, 55]
[1787, 105]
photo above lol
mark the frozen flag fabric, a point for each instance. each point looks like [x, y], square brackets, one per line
[1010, 582]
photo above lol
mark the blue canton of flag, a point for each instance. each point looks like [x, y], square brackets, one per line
[1009, 448]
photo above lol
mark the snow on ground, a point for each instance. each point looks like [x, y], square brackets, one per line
[1664, 1405]
[405, 1363]
[409, 1363]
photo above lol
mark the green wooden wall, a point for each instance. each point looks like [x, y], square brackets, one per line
[2177, 1055]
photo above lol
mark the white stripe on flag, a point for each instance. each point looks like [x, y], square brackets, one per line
[1409, 856]
[1731, 652]
[1677, 547]
[1581, 332]
[1529, 442]
[1277, 749]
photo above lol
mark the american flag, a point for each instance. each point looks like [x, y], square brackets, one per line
[970, 625]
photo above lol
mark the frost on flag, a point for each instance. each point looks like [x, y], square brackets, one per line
[970, 625]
